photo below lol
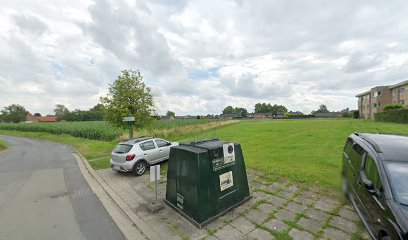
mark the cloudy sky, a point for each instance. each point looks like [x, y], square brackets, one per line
[200, 56]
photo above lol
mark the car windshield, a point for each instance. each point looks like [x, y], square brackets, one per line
[122, 148]
[398, 175]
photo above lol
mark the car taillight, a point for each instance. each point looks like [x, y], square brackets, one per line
[130, 157]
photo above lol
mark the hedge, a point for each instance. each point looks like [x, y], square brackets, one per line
[288, 115]
[397, 116]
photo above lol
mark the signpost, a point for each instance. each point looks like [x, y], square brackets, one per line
[130, 121]
[155, 177]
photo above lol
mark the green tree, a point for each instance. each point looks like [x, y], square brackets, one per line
[228, 110]
[258, 108]
[61, 112]
[14, 113]
[241, 111]
[322, 109]
[170, 114]
[128, 96]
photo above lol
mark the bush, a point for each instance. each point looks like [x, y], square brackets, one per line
[356, 114]
[347, 114]
[291, 116]
[397, 116]
[390, 107]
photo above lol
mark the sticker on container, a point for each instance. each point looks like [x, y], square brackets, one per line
[226, 180]
[229, 153]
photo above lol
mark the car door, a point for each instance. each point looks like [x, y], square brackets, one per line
[150, 152]
[356, 156]
[373, 195]
[163, 149]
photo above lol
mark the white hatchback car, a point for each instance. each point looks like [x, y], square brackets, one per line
[137, 154]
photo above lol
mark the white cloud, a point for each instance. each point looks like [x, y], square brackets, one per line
[199, 56]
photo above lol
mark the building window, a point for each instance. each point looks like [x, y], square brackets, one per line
[402, 90]
[394, 92]
[402, 102]
[379, 104]
[375, 105]
[376, 94]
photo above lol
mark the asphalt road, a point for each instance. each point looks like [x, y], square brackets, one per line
[44, 196]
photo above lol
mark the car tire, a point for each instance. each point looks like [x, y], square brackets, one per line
[345, 188]
[386, 238]
[139, 168]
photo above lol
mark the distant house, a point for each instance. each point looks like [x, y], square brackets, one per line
[280, 115]
[297, 113]
[328, 115]
[230, 115]
[262, 115]
[33, 119]
[186, 117]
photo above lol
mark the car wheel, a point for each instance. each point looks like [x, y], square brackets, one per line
[139, 168]
[386, 238]
[345, 187]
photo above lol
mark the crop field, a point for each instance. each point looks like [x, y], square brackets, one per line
[97, 130]
[303, 150]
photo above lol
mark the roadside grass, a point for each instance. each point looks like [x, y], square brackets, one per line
[98, 152]
[3, 145]
[307, 151]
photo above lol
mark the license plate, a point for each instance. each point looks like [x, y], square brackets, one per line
[114, 167]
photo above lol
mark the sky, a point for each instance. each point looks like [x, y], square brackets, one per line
[201, 56]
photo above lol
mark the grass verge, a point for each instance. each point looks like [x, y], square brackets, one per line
[98, 152]
[3, 145]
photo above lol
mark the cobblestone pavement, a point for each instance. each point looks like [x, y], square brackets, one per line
[278, 210]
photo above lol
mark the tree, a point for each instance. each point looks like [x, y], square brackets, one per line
[241, 111]
[128, 97]
[14, 113]
[170, 114]
[228, 110]
[322, 109]
[61, 112]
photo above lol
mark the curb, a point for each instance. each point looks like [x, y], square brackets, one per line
[146, 230]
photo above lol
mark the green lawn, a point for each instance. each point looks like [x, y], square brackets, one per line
[304, 150]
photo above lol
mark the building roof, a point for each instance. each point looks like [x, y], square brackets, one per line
[398, 84]
[364, 93]
[390, 87]
[393, 147]
[47, 119]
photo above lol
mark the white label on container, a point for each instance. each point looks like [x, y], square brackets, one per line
[229, 153]
[226, 180]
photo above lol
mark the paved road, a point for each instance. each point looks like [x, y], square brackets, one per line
[44, 196]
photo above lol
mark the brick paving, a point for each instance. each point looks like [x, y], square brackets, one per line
[278, 210]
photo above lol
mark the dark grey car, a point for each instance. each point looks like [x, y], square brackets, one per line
[375, 179]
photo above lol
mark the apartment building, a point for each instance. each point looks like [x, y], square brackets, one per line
[376, 98]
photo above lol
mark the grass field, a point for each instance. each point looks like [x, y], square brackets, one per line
[304, 150]
[3, 145]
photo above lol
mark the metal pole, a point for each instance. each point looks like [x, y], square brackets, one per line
[155, 181]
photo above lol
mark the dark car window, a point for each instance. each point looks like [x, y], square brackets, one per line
[122, 148]
[161, 143]
[398, 176]
[349, 147]
[147, 145]
[355, 154]
[371, 172]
